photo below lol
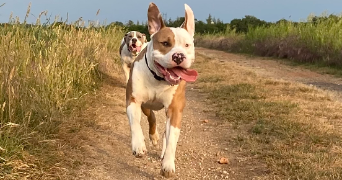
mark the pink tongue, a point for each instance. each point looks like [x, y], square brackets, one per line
[138, 48]
[188, 75]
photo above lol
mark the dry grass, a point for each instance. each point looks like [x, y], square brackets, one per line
[292, 128]
[45, 71]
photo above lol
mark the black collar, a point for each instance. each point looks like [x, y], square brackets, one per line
[154, 74]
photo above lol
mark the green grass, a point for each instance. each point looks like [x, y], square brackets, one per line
[276, 123]
[44, 72]
[308, 42]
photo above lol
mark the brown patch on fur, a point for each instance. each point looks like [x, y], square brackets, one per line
[132, 99]
[129, 88]
[177, 105]
[151, 120]
[141, 37]
[165, 35]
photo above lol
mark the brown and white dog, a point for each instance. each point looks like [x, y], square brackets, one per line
[131, 46]
[157, 80]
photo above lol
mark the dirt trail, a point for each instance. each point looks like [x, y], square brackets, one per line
[106, 149]
[275, 69]
[102, 131]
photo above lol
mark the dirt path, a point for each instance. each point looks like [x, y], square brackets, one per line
[275, 69]
[102, 132]
[106, 150]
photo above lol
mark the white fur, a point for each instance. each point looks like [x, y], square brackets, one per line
[138, 142]
[182, 37]
[127, 57]
[154, 94]
[172, 135]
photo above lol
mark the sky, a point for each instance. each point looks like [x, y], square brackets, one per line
[136, 10]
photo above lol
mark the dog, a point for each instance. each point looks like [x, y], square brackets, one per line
[131, 45]
[157, 80]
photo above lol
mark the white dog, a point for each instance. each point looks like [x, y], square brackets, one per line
[131, 46]
[157, 80]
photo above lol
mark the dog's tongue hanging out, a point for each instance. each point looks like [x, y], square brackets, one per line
[176, 74]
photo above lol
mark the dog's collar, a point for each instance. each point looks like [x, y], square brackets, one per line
[154, 73]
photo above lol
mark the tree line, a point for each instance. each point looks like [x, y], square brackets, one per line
[211, 25]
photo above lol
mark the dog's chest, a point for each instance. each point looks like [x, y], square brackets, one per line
[156, 98]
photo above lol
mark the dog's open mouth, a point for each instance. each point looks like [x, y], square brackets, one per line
[176, 74]
[134, 48]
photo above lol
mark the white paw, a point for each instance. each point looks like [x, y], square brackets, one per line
[168, 167]
[138, 146]
[154, 138]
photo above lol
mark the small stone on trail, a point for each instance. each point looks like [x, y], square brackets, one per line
[206, 121]
[223, 160]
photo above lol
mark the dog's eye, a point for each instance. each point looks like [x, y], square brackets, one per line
[165, 43]
[187, 45]
[130, 36]
[139, 36]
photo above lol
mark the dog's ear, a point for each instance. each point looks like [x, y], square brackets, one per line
[144, 35]
[125, 38]
[189, 22]
[155, 20]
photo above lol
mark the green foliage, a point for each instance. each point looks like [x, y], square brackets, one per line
[244, 24]
[314, 41]
[214, 25]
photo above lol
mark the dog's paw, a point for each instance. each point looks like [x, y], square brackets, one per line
[139, 147]
[166, 173]
[168, 168]
[154, 138]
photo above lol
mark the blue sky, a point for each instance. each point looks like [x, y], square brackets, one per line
[136, 10]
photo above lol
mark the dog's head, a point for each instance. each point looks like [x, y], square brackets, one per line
[173, 49]
[134, 41]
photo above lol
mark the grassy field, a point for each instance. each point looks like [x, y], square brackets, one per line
[292, 128]
[308, 42]
[44, 72]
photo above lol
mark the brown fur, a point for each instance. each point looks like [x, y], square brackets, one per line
[164, 35]
[177, 105]
[151, 120]
[153, 12]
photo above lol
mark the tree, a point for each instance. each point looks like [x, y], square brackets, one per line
[130, 23]
[242, 25]
[209, 19]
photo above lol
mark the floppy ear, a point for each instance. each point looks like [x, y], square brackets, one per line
[189, 22]
[125, 38]
[155, 21]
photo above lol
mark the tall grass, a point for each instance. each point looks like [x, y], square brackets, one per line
[306, 42]
[44, 70]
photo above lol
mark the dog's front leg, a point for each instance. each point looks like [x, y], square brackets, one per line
[171, 136]
[134, 116]
[172, 131]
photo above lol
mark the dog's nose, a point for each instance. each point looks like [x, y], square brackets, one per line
[178, 58]
[134, 40]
